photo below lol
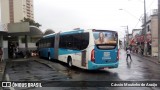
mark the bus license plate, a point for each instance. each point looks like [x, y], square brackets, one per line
[106, 54]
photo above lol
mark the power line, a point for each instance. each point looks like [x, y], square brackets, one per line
[142, 14]
[150, 4]
[138, 21]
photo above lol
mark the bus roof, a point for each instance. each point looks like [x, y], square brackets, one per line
[72, 32]
[49, 35]
[65, 32]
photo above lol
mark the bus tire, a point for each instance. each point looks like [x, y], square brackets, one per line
[70, 62]
[49, 56]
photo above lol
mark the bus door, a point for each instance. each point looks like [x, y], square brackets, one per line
[83, 63]
[106, 49]
[56, 45]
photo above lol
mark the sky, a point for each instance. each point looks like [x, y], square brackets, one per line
[63, 15]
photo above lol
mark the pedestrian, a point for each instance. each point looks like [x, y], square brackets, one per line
[128, 54]
[142, 50]
[16, 52]
[1, 53]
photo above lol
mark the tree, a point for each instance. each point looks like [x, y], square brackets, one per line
[31, 22]
[49, 31]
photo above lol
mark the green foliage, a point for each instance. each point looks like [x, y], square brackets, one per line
[31, 22]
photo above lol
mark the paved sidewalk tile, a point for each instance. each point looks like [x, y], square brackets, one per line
[152, 59]
[2, 68]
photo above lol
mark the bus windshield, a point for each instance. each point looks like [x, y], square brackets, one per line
[105, 39]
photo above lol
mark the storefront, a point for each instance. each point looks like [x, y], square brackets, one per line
[3, 44]
[149, 44]
[21, 41]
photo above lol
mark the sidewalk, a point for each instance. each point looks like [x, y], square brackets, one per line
[3, 66]
[46, 62]
[2, 69]
[150, 58]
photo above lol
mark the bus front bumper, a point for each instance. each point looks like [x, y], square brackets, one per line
[94, 66]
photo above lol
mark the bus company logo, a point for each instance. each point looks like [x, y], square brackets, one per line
[6, 84]
[18, 84]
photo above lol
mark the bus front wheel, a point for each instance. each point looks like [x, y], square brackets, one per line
[70, 62]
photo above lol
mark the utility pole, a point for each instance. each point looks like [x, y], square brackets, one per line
[127, 36]
[159, 30]
[124, 46]
[145, 32]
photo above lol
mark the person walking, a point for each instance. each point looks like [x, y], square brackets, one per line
[128, 54]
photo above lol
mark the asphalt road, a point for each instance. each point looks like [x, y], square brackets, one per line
[136, 70]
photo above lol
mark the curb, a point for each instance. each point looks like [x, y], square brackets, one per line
[45, 64]
[149, 59]
[52, 67]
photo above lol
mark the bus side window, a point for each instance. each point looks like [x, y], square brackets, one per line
[52, 41]
[84, 40]
[63, 40]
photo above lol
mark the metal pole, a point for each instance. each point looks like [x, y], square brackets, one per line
[145, 32]
[127, 36]
[26, 46]
[159, 30]
[124, 46]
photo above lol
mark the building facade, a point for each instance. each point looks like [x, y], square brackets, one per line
[13, 11]
[136, 40]
[151, 35]
[12, 42]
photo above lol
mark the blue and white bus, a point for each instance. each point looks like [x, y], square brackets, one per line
[87, 49]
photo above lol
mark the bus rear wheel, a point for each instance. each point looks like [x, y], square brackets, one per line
[70, 62]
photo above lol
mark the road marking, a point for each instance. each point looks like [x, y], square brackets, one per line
[8, 79]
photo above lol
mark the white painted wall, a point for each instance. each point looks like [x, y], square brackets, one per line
[154, 33]
[18, 10]
[22, 45]
[5, 11]
[5, 50]
[30, 45]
